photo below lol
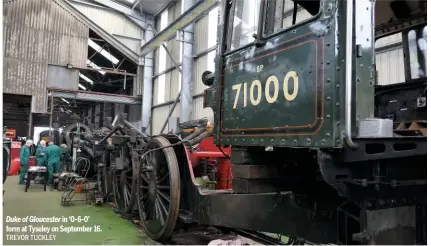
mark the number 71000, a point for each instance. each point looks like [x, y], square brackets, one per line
[255, 96]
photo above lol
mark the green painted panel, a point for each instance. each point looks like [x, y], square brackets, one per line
[254, 96]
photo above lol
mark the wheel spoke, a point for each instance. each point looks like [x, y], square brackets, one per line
[165, 196]
[165, 210]
[163, 178]
[163, 187]
[159, 212]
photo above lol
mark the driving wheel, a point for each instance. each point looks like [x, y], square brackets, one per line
[159, 189]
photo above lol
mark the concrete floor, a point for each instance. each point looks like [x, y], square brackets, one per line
[36, 202]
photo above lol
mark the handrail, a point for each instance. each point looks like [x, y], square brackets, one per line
[348, 79]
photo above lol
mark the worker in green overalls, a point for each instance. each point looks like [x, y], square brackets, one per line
[52, 155]
[24, 158]
[40, 155]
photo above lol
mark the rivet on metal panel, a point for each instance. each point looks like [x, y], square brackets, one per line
[361, 65]
[308, 140]
[252, 139]
[293, 31]
[338, 68]
[338, 123]
[358, 80]
[328, 116]
[272, 140]
[261, 139]
[236, 139]
[323, 141]
[337, 104]
[328, 44]
[328, 98]
[328, 135]
[338, 141]
[338, 86]
[328, 62]
[342, 61]
[295, 141]
[283, 141]
[243, 140]
[328, 9]
[328, 80]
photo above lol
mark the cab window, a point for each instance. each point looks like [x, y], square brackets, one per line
[245, 21]
[282, 14]
[279, 15]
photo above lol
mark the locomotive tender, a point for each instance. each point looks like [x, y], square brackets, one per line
[310, 154]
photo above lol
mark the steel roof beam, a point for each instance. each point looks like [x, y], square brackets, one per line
[126, 51]
[189, 16]
[133, 15]
[139, 22]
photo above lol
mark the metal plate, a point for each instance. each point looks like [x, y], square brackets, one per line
[282, 94]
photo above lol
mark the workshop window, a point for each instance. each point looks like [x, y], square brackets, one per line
[212, 27]
[162, 62]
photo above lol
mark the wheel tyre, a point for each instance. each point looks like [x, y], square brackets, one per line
[165, 232]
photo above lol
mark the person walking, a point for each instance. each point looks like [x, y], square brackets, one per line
[52, 155]
[24, 158]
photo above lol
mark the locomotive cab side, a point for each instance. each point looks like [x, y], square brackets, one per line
[297, 99]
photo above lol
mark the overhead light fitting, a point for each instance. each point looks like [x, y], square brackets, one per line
[64, 100]
[86, 78]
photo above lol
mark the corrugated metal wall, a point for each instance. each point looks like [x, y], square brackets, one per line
[37, 33]
[62, 78]
[170, 79]
[115, 24]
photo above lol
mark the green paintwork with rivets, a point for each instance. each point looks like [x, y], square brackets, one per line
[254, 98]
